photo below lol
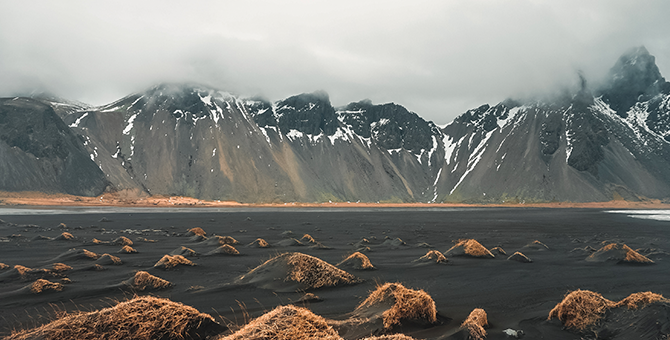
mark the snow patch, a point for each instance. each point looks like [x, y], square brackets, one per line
[129, 126]
[474, 158]
[78, 121]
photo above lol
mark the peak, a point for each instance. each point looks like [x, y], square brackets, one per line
[635, 73]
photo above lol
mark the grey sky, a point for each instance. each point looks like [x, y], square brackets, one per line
[438, 58]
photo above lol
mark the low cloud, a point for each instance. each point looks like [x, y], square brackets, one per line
[438, 58]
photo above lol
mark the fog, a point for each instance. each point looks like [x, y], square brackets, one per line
[437, 58]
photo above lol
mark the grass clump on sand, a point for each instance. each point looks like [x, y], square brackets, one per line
[619, 253]
[3, 266]
[519, 257]
[432, 256]
[286, 323]
[42, 286]
[405, 304]
[139, 318]
[475, 324]
[291, 271]
[221, 240]
[171, 261]
[469, 247]
[107, 259]
[196, 231]
[581, 309]
[357, 261]
[225, 249]
[390, 337]
[127, 250]
[122, 241]
[259, 243]
[143, 281]
[637, 300]
[65, 236]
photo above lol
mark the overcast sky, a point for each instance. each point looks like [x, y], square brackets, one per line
[437, 58]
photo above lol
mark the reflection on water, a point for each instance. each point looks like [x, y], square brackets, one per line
[658, 215]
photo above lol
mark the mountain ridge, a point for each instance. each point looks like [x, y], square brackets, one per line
[593, 144]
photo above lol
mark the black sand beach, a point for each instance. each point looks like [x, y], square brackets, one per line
[514, 295]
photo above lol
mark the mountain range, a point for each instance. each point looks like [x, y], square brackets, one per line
[589, 144]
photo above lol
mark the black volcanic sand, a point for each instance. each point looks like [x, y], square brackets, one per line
[513, 294]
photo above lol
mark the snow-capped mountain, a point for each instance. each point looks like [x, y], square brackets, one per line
[596, 144]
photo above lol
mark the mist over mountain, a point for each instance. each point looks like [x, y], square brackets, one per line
[608, 142]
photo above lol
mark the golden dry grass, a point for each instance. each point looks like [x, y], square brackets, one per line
[60, 267]
[618, 252]
[308, 271]
[127, 250]
[637, 300]
[520, 257]
[225, 249]
[390, 337]
[407, 304]
[286, 323]
[122, 241]
[196, 231]
[435, 256]
[3, 266]
[109, 259]
[581, 309]
[358, 261]
[96, 241]
[42, 285]
[143, 280]
[140, 318]
[65, 236]
[469, 247]
[259, 243]
[475, 324]
[498, 250]
[307, 238]
[226, 240]
[171, 261]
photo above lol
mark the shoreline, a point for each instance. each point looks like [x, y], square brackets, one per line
[18, 199]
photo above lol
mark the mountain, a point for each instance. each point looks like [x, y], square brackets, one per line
[38, 152]
[591, 144]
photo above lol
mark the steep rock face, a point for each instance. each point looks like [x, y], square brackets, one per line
[39, 152]
[182, 139]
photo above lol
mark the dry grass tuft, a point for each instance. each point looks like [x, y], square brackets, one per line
[123, 241]
[183, 251]
[221, 240]
[143, 280]
[475, 324]
[433, 256]
[286, 323]
[390, 337]
[65, 236]
[60, 267]
[42, 286]
[259, 243]
[171, 261]
[96, 241]
[225, 249]
[407, 304]
[196, 231]
[520, 257]
[581, 309]
[618, 252]
[140, 318]
[3, 266]
[307, 238]
[469, 247]
[637, 300]
[127, 250]
[307, 271]
[357, 261]
[498, 250]
[107, 259]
